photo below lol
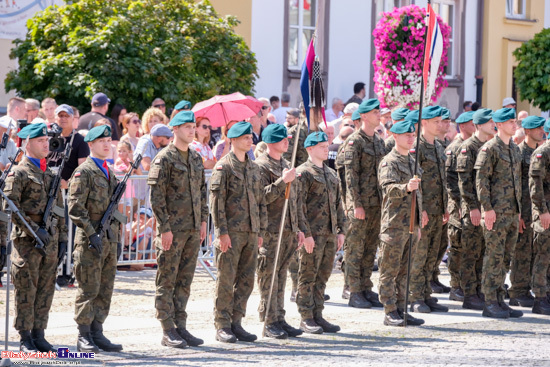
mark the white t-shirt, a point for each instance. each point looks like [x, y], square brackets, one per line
[280, 114]
[7, 153]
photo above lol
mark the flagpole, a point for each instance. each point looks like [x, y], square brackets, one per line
[414, 193]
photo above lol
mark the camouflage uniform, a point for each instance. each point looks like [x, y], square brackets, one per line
[341, 172]
[33, 275]
[522, 260]
[362, 155]
[89, 195]
[394, 174]
[431, 157]
[178, 192]
[499, 166]
[238, 209]
[389, 144]
[473, 243]
[271, 171]
[323, 219]
[444, 243]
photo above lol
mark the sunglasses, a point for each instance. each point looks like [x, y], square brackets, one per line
[205, 127]
[137, 122]
[159, 105]
[348, 125]
[265, 107]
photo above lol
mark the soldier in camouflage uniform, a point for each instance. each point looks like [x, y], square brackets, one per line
[363, 150]
[498, 184]
[522, 260]
[431, 157]
[238, 209]
[275, 173]
[473, 243]
[323, 225]
[397, 115]
[178, 192]
[397, 182]
[95, 255]
[466, 127]
[34, 273]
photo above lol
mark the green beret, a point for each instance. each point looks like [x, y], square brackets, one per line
[532, 122]
[547, 126]
[445, 113]
[98, 132]
[431, 111]
[315, 138]
[33, 131]
[274, 133]
[369, 105]
[504, 114]
[412, 116]
[482, 116]
[355, 116]
[239, 129]
[402, 127]
[183, 105]
[465, 117]
[400, 114]
[182, 117]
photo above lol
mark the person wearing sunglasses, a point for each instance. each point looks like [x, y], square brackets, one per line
[200, 144]
[160, 104]
[130, 127]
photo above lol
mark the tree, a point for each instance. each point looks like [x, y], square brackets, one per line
[533, 71]
[132, 50]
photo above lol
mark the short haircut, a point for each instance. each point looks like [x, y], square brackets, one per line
[263, 100]
[156, 100]
[34, 104]
[285, 97]
[48, 101]
[466, 104]
[273, 99]
[358, 87]
[475, 106]
[15, 102]
[336, 100]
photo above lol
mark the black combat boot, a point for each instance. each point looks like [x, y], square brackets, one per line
[541, 306]
[327, 326]
[275, 331]
[357, 300]
[242, 334]
[511, 312]
[411, 320]
[456, 294]
[40, 342]
[26, 343]
[525, 300]
[444, 288]
[436, 288]
[473, 303]
[393, 319]
[85, 343]
[191, 340]
[291, 331]
[225, 335]
[310, 326]
[372, 297]
[100, 340]
[492, 309]
[420, 306]
[435, 307]
[171, 338]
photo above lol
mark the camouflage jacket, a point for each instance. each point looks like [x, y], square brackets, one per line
[301, 153]
[28, 187]
[431, 157]
[321, 205]
[526, 153]
[389, 144]
[498, 178]
[394, 174]
[178, 190]
[341, 171]
[465, 162]
[89, 196]
[453, 189]
[237, 200]
[444, 143]
[362, 155]
[539, 184]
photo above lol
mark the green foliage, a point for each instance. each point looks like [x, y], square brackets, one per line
[134, 51]
[533, 71]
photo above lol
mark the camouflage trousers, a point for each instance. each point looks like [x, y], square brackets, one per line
[455, 255]
[96, 280]
[473, 249]
[424, 258]
[34, 283]
[293, 270]
[392, 266]
[176, 269]
[313, 275]
[522, 263]
[443, 245]
[541, 265]
[235, 280]
[265, 270]
[360, 252]
[499, 246]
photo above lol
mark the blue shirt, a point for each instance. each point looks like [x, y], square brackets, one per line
[99, 163]
[35, 161]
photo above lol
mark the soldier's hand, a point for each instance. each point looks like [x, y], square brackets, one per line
[446, 218]
[475, 217]
[545, 220]
[96, 243]
[64, 184]
[44, 236]
[301, 239]
[309, 244]
[413, 184]
[260, 241]
[359, 213]
[203, 231]
[341, 239]
[166, 240]
[521, 224]
[425, 218]
[289, 175]
[225, 242]
[490, 219]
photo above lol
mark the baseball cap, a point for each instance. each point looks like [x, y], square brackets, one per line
[100, 99]
[161, 130]
[64, 108]
[508, 100]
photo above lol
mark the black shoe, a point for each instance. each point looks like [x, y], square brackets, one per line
[473, 303]
[327, 326]
[393, 319]
[357, 300]
[420, 306]
[242, 334]
[85, 343]
[443, 286]
[26, 343]
[326, 297]
[541, 306]
[96, 330]
[291, 331]
[513, 313]
[293, 296]
[171, 338]
[345, 292]
[492, 309]
[372, 297]
[436, 288]
[525, 300]
[275, 331]
[435, 307]
[310, 326]
[40, 342]
[411, 320]
[456, 294]
[225, 335]
[191, 340]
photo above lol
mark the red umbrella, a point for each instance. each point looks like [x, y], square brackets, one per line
[231, 107]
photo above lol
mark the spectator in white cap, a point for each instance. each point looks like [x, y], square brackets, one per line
[150, 144]
[508, 102]
[7, 122]
[348, 111]
[385, 117]
[100, 106]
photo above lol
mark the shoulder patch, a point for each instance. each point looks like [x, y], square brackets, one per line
[290, 137]
[350, 142]
[463, 151]
[539, 155]
[449, 152]
[384, 164]
[75, 175]
[484, 149]
[412, 150]
[219, 167]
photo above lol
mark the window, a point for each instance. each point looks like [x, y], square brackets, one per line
[302, 16]
[447, 11]
[383, 6]
[515, 9]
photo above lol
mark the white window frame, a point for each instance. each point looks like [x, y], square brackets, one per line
[453, 39]
[510, 9]
[300, 27]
